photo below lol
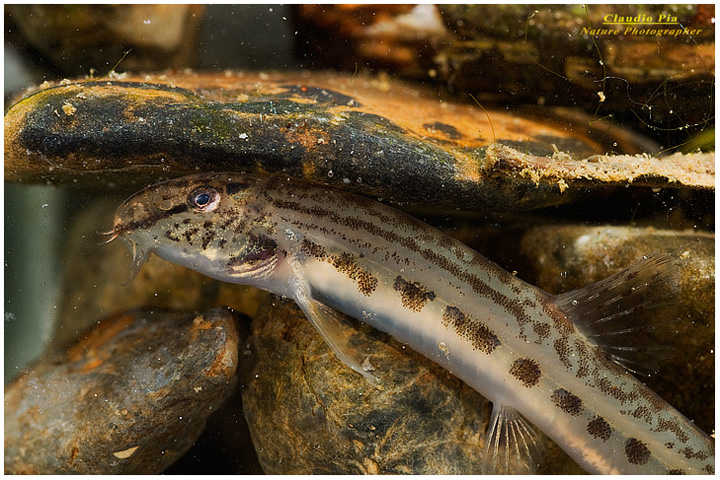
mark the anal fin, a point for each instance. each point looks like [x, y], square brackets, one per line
[336, 333]
[612, 313]
[511, 444]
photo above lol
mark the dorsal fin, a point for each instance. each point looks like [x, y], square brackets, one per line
[612, 313]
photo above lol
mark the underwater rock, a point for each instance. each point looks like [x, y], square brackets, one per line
[650, 66]
[606, 59]
[403, 39]
[364, 134]
[310, 414]
[129, 397]
[223, 448]
[80, 38]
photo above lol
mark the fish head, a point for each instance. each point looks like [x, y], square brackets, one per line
[203, 222]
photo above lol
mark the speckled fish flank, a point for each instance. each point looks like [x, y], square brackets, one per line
[535, 356]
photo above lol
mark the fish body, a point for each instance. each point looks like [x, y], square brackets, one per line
[520, 347]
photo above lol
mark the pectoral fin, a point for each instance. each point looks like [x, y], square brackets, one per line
[511, 445]
[332, 328]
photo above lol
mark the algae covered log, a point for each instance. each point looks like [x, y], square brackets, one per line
[363, 134]
[130, 397]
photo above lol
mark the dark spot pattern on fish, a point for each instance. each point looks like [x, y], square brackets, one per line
[413, 295]
[346, 263]
[527, 371]
[641, 411]
[567, 402]
[235, 187]
[562, 348]
[691, 453]
[549, 306]
[664, 425]
[460, 272]
[208, 236]
[636, 452]
[190, 234]
[313, 249]
[328, 232]
[479, 335]
[150, 220]
[583, 359]
[542, 330]
[599, 428]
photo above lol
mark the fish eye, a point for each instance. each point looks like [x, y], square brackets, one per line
[204, 199]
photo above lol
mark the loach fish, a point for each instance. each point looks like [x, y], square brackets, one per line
[552, 361]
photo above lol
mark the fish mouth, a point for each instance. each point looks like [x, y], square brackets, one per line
[139, 254]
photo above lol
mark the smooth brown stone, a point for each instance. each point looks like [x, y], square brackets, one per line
[129, 397]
